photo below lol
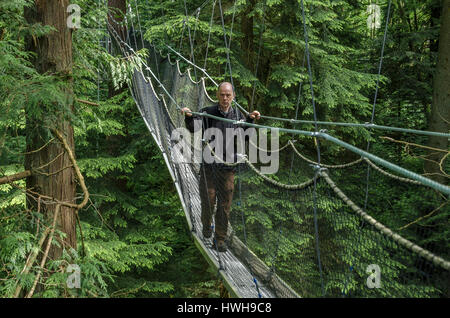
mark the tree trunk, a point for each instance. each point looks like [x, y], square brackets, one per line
[116, 13]
[52, 174]
[440, 110]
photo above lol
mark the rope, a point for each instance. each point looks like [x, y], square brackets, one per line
[139, 23]
[341, 166]
[385, 230]
[316, 226]
[196, 24]
[366, 196]
[433, 184]
[359, 125]
[226, 43]
[290, 143]
[272, 150]
[391, 175]
[182, 34]
[190, 38]
[201, 6]
[279, 184]
[209, 33]
[132, 25]
[375, 101]
[232, 24]
[326, 123]
[423, 180]
[259, 55]
[275, 256]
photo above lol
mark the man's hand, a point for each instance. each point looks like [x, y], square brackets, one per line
[186, 111]
[254, 114]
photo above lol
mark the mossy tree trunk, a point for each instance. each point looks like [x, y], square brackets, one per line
[440, 108]
[52, 173]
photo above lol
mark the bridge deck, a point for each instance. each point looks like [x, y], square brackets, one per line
[236, 275]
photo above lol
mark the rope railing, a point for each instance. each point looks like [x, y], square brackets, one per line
[385, 230]
[391, 175]
[433, 184]
[345, 165]
[325, 123]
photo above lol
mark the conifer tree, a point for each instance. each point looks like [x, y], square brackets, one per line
[52, 174]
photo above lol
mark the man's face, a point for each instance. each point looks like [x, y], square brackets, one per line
[225, 95]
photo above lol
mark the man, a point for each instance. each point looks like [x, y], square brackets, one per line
[217, 179]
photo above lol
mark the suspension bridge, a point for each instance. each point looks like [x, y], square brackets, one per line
[291, 234]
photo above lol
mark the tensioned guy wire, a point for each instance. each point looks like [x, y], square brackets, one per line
[318, 169]
[191, 42]
[226, 43]
[209, 34]
[259, 55]
[375, 100]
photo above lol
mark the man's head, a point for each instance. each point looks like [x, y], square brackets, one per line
[225, 95]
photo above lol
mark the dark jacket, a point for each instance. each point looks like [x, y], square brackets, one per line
[207, 122]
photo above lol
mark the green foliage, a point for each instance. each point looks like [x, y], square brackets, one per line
[132, 237]
[132, 229]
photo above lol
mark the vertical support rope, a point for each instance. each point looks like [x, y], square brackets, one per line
[259, 55]
[98, 72]
[196, 23]
[375, 99]
[139, 23]
[316, 226]
[153, 49]
[182, 34]
[226, 43]
[274, 257]
[209, 34]
[297, 106]
[190, 38]
[366, 196]
[132, 25]
[232, 24]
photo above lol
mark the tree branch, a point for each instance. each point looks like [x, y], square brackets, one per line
[15, 177]
[47, 249]
[30, 260]
[87, 102]
[75, 167]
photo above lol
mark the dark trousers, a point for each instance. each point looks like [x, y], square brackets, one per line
[216, 183]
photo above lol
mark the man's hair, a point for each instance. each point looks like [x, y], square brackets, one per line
[223, 83]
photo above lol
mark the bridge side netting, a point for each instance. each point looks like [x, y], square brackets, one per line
[277, 224]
